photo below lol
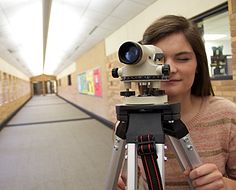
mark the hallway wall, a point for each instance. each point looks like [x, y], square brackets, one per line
[14, 90]
[94, 58]
[13, 95]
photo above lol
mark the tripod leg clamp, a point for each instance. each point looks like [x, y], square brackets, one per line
[147, 151]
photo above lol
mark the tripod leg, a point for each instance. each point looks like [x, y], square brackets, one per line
[115, 163]
[160, 162]
[186, 153]
[132, 167]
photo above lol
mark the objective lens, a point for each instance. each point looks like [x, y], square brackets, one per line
[130, 53]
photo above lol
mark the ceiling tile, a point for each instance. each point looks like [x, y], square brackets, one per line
[95, 16]
[127, 10]
[104, 6]
[75, 3]
[112, 23]
[146, 2]
[3, 19]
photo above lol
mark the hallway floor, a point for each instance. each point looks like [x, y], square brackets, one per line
[51, 145]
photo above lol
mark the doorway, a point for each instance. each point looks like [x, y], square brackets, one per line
[38, 88]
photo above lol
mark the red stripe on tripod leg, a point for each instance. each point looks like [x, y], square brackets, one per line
[149, 175]
[146, 165]
[156, 171]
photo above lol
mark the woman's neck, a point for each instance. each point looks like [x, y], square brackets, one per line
[190, 106]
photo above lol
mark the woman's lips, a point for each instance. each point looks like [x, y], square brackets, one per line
[172, 81]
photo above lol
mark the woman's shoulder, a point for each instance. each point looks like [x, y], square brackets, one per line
[216, 103]
[217, 100]
[214, 108]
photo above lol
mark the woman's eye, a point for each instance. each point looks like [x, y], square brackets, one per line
[184, 59]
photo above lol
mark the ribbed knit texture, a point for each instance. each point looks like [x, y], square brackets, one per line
[213, 132]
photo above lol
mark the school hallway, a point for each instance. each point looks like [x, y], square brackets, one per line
[52, 145]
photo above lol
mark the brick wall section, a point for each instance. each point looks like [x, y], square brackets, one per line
[225, 88]
[114, 86]
[63, 89]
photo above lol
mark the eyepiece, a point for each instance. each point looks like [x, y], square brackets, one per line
[130, 53]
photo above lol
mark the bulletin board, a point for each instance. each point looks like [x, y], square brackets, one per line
[89, 82]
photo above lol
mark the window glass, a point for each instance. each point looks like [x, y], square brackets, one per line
[215, 29]
[218, 44]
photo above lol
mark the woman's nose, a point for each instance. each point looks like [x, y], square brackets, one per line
[173, 67]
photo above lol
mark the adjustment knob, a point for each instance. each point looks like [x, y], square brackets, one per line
[114, 73]
[127, 93]
[158, 56]
[166, 69]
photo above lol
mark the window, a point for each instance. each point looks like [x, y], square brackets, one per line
[5, 88]
[1, 93]
[69, 80]
[215, 28]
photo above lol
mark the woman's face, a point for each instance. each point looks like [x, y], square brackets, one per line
[182, 60]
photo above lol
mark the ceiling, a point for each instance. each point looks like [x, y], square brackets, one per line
[33, 47]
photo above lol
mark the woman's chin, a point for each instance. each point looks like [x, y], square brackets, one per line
[171, 93]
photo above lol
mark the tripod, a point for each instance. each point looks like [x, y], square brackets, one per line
[157, 120]
[145, 120]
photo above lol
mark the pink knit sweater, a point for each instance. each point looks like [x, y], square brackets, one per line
[213, 132]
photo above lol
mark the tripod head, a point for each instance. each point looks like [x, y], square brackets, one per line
[144, 65]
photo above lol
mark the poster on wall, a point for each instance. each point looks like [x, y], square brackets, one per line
[97, 82]
[89, 82]
[82, 84]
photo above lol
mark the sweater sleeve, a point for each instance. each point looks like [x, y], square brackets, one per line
[231, 163]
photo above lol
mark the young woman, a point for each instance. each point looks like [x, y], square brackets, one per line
[211, 120]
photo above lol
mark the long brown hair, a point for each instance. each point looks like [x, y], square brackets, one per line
[170, 24]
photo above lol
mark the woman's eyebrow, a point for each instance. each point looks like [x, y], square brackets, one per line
[184, 53]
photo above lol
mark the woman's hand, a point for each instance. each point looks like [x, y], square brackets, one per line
[121, 183]
[206, 177]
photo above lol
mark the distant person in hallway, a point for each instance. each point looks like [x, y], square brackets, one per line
[211, 120]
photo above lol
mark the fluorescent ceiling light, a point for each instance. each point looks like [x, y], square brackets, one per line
[63, 34]
[213, 37]
[26, 31]
[74, 27]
